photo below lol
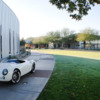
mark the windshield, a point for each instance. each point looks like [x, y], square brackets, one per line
[15, 61]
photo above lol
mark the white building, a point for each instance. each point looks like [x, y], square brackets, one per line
[9, 32]
[92, 45]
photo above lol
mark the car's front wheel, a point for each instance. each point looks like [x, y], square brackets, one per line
[33, 68]
[16, 76]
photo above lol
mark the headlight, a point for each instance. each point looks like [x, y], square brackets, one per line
[5, 72]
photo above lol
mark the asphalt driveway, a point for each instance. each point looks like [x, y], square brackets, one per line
[31, 84]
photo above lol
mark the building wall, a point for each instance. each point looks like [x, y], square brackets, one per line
[9, 31]
[92, 45]
[50, 45]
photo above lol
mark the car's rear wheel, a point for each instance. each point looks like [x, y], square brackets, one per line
[16, 76]
[33, 68]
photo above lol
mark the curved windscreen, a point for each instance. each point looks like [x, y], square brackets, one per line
[15, 61]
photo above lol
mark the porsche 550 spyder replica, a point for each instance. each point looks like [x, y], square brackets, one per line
[13, 69]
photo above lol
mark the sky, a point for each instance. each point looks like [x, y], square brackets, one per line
[38, 17]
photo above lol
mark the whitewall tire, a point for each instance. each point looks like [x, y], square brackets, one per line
[16, 76]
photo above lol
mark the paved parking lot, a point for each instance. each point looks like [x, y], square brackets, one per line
[31, 84]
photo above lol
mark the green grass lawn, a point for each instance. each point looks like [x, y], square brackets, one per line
[73, 77]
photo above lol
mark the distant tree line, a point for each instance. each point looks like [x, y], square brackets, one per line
[65, 37]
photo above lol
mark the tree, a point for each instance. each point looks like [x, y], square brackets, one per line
[38, 41]
[62, 37]
[87, 35]
[31, 42]
[22, 42]
[65, 32]
[67, 36]
[82, 37]
[76, 8]
[53, 37]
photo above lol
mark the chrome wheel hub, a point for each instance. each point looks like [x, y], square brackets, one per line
[15, 76]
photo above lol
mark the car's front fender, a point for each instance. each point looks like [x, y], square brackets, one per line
[7, 77]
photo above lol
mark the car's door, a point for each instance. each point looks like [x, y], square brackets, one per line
[25, 68]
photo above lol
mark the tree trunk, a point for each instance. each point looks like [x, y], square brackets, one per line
[62, 45]
[84, 44]
[90, 45]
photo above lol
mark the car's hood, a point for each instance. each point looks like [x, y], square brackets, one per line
[7, 66]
